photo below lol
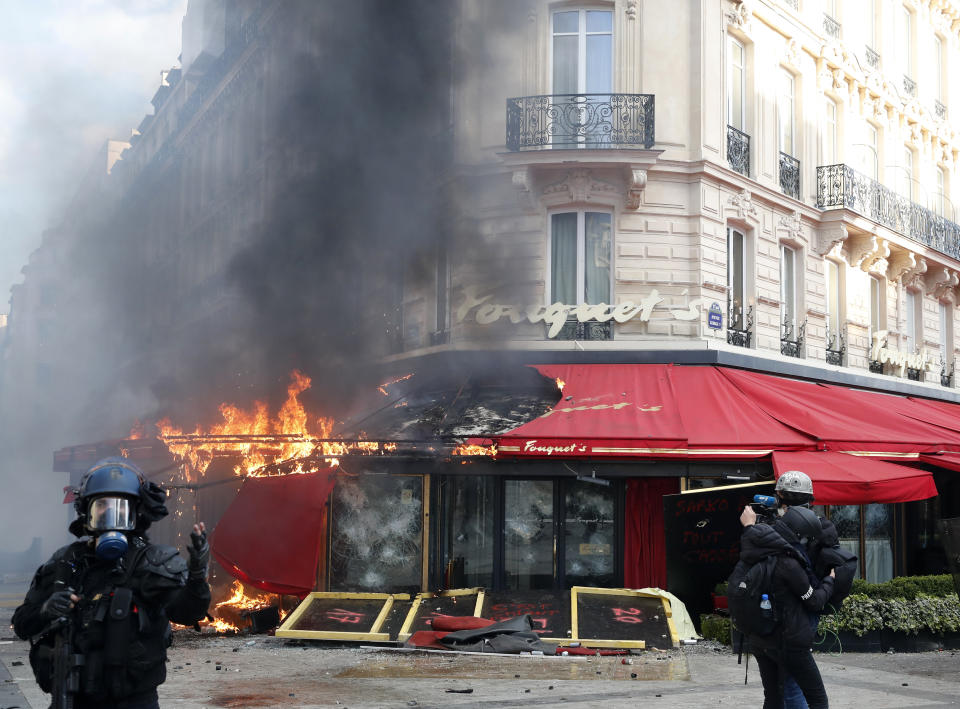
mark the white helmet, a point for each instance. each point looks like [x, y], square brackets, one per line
[793, 481]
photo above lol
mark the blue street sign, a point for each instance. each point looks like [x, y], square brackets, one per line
[715, 317]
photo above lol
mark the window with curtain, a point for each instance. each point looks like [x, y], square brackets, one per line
[867, 531]
[736, 278]
[877, 319]
[582, 52]
[785, 112]
[788, 289]
[912, 325]
[581, 250]
[828, 144]
[737, 91]
[834, 302]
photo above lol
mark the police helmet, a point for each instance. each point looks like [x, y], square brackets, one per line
[802, 522]
[108, 496]
[794, 488]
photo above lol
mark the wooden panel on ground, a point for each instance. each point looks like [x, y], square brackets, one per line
[342, 616]
[702, 532]
[619, 617]
[550, 612]
[427, 606]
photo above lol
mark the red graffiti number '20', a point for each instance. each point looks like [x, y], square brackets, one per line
[628, 615]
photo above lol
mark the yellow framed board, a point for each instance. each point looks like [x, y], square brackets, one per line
[426, 606]
[621, 618]
[342, 616]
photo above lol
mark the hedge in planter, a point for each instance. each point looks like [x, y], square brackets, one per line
[908, 587]
[715, 627]
[860, 614]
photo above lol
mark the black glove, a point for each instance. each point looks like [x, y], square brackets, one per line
[199, 556]
[59, 604]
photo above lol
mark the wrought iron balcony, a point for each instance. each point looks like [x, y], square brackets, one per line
[842, 187]
[739, 329]
[738, 151]
[790, 175]
[872, 57]
[567, 121]
[790, 347]
[795, 4]
[831, 27]
[576, 330]
[946, 378]
[939, 109]
[836, 348]
[909, 86]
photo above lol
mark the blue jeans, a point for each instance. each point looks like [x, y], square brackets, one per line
[796, 662]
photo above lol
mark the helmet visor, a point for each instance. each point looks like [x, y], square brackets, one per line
[111, 513]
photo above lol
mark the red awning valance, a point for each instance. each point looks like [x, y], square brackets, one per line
[270, 536]
[950, 461]
[843, 479]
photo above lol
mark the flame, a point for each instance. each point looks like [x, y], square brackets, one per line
[466, 449]
[239, 600]
[383, 387]
[560, 384]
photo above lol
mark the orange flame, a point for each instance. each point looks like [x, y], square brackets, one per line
[237, 602]
[560, 384]
[466, 449]
[383, 387]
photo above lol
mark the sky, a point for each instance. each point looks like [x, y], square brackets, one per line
[73, 74]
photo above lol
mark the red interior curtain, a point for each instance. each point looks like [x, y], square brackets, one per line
[644, 547]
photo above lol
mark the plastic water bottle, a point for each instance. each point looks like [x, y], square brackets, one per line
[765, 602]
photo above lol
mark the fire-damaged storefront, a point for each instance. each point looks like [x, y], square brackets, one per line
[540, 477]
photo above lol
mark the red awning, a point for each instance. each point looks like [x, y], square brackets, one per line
[271, 534]
[950, 461]
[843, 479]
[843, 419]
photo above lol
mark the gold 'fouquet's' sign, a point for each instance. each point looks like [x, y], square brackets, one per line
[556, 315]
[900, 360]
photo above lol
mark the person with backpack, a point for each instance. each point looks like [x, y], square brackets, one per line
[795, 488]
[771, 597]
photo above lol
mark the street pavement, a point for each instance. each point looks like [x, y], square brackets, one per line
[261, 671]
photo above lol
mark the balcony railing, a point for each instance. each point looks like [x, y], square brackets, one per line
[909, 86]
[939, 109]
[790, 346]
[567, 121]
[872, 57]
[831, 27]
[836, 348]
[842, 187]
[739, 329]
[790, 175]
[738, 151]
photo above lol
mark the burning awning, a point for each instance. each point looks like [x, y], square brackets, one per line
[270, 537]
[843, 479]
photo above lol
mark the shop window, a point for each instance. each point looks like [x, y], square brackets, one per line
[589, 535]
[867, 531]
[581, 251]
[468, 538]
[376, 534]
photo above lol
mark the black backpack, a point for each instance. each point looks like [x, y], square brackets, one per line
[844, 564]
[745, 589]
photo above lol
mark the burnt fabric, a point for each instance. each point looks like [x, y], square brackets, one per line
[514, 635]
[452, 623]
[270, 535]
[842, 479]
[121, 624]
[644, 547]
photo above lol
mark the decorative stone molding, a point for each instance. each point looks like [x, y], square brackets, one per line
[743, 205]
[636, 184]
[913, 278]
[829, 237]
[740, 17]
[857, 248]
[940, 283]
[523, 183]
[631, 9]
[876, 262]
[579, 186]
[901, 263]
[791, 54]
[792, 224]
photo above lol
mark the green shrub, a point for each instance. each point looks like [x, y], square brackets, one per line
[861, 613]
[715, 627]
[908, 587]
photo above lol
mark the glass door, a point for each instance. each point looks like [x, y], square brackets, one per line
[529, 535]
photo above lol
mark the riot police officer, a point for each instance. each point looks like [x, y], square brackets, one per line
[115, 591]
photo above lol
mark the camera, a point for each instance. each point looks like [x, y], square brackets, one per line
[766, 508]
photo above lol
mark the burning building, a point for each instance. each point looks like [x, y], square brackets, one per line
[610, 280]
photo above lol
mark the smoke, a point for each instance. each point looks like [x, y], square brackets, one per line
[281, 233]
